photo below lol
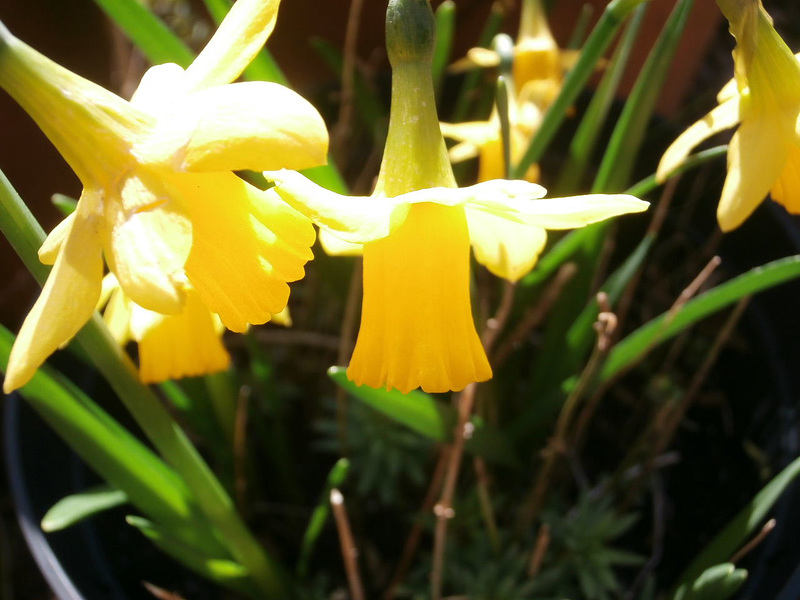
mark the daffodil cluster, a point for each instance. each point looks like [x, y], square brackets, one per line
[764, 100]
[190, 246]
[182, 234]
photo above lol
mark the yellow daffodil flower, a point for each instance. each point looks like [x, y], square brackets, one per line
[484, 140]
[170, 346]
[539, 64]
[417, 328]
[764, 153]
[160, 200]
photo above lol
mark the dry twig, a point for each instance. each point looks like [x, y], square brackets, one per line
[348, 545]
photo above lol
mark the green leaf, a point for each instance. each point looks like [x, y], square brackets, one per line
[719, 582]
[320, 515]
[428, 417]
[739, 528]
[623, 148]
[585, 139]
[445, 27]
[149, 33]
[77, 507]
[660, 329]
[221, 570]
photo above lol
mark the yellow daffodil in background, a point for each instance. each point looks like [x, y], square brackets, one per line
[417, 328]
[160, 200]
[484, 140]
[539, 64]
[764, 153]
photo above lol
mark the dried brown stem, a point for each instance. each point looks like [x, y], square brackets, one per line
[348, 545]
[749, 546]
[414, 537]
[653, 229]
[346, 105]
[539, 550]
[558, 444]
[534, 315]
[482, 484]
[444, 507]
[494, 326]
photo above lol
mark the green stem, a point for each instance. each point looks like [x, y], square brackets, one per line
[25, 234]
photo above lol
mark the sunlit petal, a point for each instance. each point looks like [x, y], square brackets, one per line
[207, 131]
[508, 249]
[352, 218]
[240, 36]
[245, 249]
[722, 117]
[148, 237]
[756, 156]
[55, 239]
[67, 301]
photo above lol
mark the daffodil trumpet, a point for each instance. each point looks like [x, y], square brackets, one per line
[160, 201]
[417, 328]
[763, 99]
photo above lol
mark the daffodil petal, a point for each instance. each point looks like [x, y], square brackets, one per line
[463, 151]
[159, 87]
[728, 91]
[786, 190]
[240, 36]
[723, 117]
[495, 193]
[117, 316]
[416, 325]
[476, 57]
[253, 125]
[148, 237]
[564, 213]
[245, 249]
[508, 249]
[356, 219]
[67, 301]
[336, 246]
[757, 154]
[175, 346]
[476, 132]
[55, 239]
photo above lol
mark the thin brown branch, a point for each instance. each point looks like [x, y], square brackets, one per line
[485, 499]
[750, 546]
[535, 314]
[348, 545]
[343, 125]
[444, 507]
[539, 550]
[558, 444]
[414, 537]
[653, 229]
[496, 324]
